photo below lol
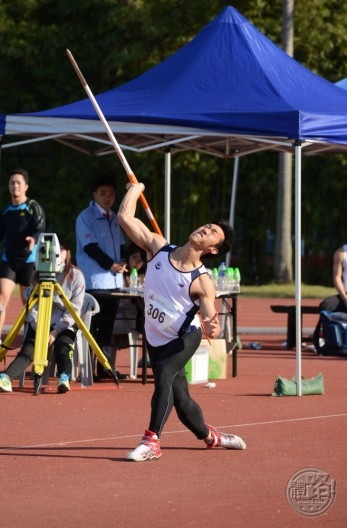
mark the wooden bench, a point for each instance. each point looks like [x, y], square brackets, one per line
[290, 310]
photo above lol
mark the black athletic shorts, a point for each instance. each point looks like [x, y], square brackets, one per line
[18, 272]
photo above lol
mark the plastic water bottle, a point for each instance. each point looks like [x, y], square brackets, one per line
[229, 279]
[221, 276]
[214, 277]
[237, 280]
[133, 280]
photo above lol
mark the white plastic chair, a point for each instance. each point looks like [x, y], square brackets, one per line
[82, 360]
[124, 324]
[133, 337]
[111, 351]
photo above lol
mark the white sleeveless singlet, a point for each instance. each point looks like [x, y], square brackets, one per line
[169, 309]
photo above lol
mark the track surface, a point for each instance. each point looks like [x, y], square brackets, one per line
[62, 456]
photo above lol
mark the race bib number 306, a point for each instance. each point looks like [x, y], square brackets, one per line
[160, 310]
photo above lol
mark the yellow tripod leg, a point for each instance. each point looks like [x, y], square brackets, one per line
[80, 324]
[18, 323]
[44, 314]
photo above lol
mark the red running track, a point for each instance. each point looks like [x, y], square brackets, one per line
[62, 456]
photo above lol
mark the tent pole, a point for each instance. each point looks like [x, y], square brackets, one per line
[233, 200]
[167, 210]
[233, 190]
[298, 263]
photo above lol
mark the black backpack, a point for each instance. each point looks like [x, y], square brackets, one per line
[330, 334]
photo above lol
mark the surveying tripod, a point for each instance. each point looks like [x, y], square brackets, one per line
[43, 294]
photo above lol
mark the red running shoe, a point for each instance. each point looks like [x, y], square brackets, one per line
[229, 441]
[148, 448]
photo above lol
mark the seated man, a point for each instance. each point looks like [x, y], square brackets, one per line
[338, 302]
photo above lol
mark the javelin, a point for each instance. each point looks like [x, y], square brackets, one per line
[130, 174]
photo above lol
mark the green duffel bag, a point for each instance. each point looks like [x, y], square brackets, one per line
[286, 387]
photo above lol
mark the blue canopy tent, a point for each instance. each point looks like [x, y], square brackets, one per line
[229, 92]
[342, 84]
[230, 83]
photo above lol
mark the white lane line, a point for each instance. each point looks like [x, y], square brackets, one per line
[222, 427]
